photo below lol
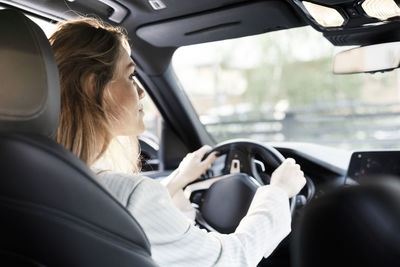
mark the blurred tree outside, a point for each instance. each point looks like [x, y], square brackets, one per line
[281, 74]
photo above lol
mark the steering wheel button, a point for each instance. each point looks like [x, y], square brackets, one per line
[235, 166]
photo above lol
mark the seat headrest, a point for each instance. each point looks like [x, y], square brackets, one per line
[29, 88]
[354, 226]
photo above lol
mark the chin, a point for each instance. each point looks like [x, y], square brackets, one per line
[132, 132]
[138, 130]
[142, 129]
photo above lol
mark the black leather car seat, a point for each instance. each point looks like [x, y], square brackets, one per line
[53, 212]
[354, 226]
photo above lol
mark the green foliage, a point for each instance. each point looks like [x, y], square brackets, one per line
[307, 83]
[281, 75]
[302, 83]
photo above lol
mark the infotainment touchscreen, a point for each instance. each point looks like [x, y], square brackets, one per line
[366, 163]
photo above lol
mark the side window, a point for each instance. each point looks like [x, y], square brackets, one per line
[150, 139]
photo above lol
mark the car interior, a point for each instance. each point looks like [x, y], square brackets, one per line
[70, 221]
[346, 215]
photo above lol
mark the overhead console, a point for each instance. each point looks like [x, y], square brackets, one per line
[224, 23]
[369, 163]
[350, 22]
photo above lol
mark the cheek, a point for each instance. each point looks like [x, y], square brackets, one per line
[123, 99]
[124, 109]
[129, 115]
[129, 105]
[131, 101]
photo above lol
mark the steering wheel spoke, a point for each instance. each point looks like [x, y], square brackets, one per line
[237, 160]
[226, 199]
[201, 185]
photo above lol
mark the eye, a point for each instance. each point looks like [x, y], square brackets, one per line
[132, 75]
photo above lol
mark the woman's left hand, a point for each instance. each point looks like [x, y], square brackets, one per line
[190, 168]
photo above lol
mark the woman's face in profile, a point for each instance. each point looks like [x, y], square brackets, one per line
[124, 96]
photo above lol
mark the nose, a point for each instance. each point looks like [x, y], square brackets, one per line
[141, 92]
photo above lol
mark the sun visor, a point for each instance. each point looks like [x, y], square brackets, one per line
[232, 22]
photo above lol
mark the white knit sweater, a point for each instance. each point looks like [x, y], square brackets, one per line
[175, 241]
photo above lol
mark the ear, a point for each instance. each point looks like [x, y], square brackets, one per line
[89, 85]
[94, 95]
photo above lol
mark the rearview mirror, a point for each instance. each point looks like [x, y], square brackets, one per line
[372, 58]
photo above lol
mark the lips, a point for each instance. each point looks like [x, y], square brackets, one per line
[140, 108]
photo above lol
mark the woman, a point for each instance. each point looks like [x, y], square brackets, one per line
[100, 101]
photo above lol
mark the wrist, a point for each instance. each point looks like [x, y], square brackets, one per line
[171, 183]
[178, 179]
[279, 188]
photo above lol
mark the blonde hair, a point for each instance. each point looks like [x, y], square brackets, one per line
[87, 51]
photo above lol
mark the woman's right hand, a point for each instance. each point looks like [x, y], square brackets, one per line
[289, 177]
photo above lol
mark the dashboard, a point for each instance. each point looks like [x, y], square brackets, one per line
[370, 163]
[325, 168]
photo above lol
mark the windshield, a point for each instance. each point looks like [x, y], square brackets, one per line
[279, 86]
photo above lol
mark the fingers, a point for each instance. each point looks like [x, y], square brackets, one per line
[199, 152]
[202, 151]
[289, 161]
[289, 177]
[292, 162]
[210, 159]
[195, 158]
[206, 163]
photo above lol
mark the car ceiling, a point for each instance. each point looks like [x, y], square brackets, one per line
[155, 34]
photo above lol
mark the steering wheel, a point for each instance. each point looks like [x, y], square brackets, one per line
[223, 201]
